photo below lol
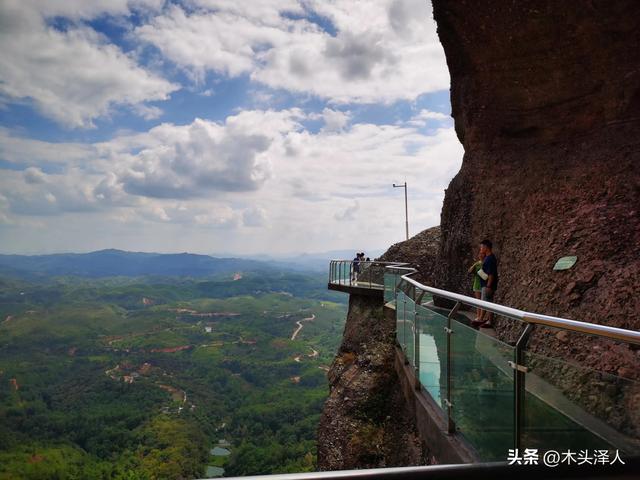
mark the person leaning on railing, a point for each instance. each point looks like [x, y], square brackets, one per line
[477, 287]
[488, 280]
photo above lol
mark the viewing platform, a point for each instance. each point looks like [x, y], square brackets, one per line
[360, 278]
[474, 396]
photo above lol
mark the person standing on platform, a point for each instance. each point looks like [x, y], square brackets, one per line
[356, 268]
[488, 280]
[477, 287]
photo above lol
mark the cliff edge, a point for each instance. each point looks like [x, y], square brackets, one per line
[366, 422]
[546, 101]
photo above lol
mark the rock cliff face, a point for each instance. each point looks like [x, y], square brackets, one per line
[365, 422]
[546, 101]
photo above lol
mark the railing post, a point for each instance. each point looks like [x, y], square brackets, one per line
[451, 426]
[416, 338]
[519, 391]
[345, 267]
[404, 328]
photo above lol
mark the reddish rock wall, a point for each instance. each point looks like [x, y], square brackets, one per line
[546, 101]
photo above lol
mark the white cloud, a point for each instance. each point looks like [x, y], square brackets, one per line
[425, 116]
[348, 213]
[87, 9]
[383, 50]
[33, 192]
[254, 217]
[257, 181]
[72, 76]
[25, 151]
[204, 157]
[148, 112]
[335, 120]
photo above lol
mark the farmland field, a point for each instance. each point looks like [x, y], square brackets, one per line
[142, 378]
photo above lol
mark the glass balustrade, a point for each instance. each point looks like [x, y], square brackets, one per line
[369, 275]
[390, 281]
[474, 377]
[482, 391]
[409, 330]
[401, 301]
[572, 407]
[432, 352]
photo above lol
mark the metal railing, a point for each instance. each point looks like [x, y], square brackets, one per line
[359, 274]
[495, 470]
[476, 363]
[529, 399]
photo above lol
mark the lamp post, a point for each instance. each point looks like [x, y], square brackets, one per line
[406, 209]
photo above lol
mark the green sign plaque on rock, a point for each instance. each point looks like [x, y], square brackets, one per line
[565, 263]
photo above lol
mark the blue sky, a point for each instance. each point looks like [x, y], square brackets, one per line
[213, 125]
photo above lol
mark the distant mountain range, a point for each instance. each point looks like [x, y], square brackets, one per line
[312, 261]
[110, 263]
[115, 263]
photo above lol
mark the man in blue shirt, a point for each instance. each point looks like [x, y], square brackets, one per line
[488, 279]
[356, 268]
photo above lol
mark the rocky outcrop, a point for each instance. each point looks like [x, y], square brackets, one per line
[365, 422]
[420, 251]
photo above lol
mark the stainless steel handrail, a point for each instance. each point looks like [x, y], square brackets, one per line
[372, 261]
[495, 470]
[401, 274]
[398, 267]
[613, 333]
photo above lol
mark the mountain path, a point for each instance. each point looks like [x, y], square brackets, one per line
[300, 325]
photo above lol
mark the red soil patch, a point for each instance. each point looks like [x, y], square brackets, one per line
[278, 343]
[171, 349]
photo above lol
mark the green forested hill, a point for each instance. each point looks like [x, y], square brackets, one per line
[139, 378]
[109, 263]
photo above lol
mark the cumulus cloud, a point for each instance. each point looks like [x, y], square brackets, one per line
[254, 217]
[33, 175]
[26, 151]
[348, 213]
[335, 120]
[87, 9]
[203, 157]
[257, 178]
[381, 51]
[74, 75]
[33, 192]
[425, 116]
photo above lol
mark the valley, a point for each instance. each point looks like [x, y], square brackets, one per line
[141, 378]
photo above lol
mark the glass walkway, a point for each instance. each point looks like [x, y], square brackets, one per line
[500, 396]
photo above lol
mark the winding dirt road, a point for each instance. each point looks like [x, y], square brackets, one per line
[300, 325]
